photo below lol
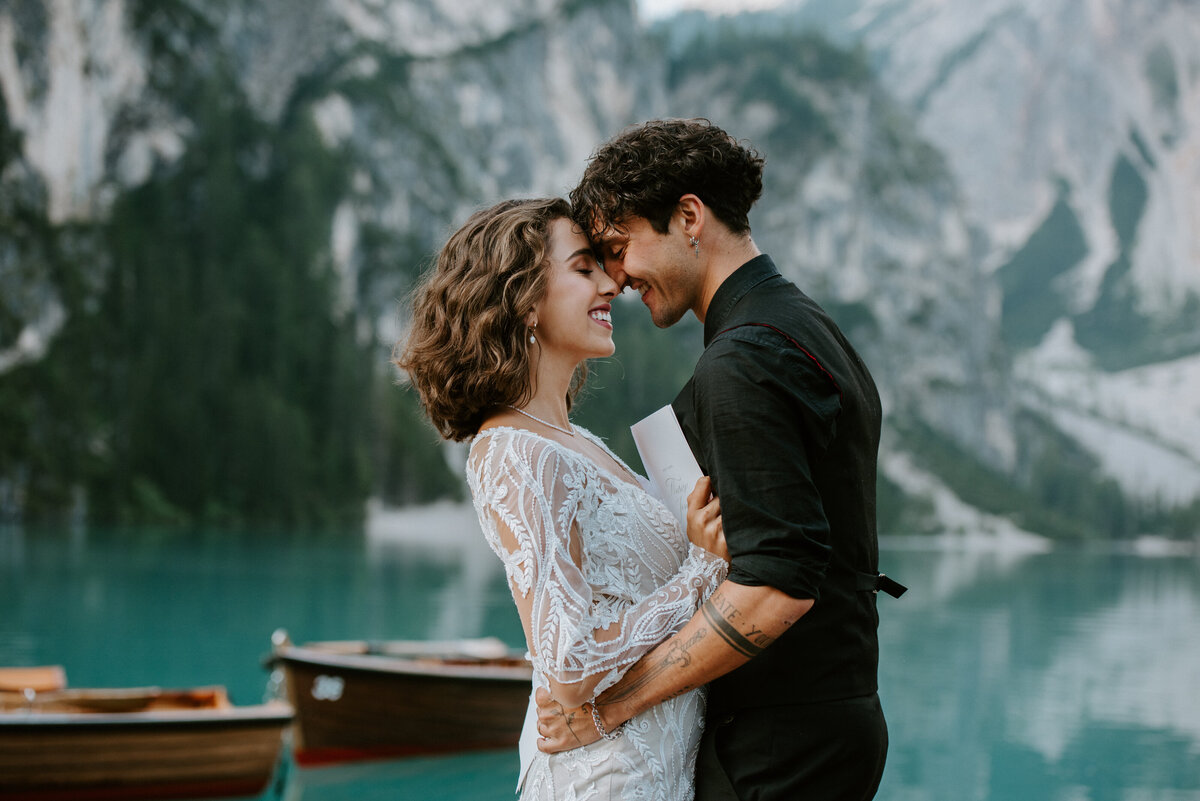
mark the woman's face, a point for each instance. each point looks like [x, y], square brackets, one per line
[574, 316]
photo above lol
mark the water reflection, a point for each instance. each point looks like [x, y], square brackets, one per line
[1070, 675]
[1067, 675]
[1109, 668]
[155, 608]
[448, 535]
[488, 775]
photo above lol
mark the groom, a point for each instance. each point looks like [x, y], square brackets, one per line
[784, 416]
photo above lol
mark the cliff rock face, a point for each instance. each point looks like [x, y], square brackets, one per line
[66, 72]
[445, 105]
[1073, 132]
[998, 200]
[1014, 203]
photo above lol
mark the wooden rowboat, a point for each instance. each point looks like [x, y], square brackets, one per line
[358, 700]
[146, 742]
[40, 679]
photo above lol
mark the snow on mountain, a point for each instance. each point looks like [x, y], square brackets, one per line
[82, 67]
[1001, 200]
[1072, 132]
[991, 81]
[1142, 423]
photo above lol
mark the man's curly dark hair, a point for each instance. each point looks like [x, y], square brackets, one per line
[644, 170]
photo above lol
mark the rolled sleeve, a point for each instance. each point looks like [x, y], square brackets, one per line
[762, 410]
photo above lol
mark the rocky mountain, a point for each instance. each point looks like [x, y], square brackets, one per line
[997, 201]
[1050, 247]
[1073, 132]
[444, 105]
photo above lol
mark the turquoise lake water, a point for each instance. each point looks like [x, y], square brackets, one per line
[1072, 675]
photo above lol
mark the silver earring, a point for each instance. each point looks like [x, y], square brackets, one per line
[695, 243]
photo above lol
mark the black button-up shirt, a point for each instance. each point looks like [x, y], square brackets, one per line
[785, 417]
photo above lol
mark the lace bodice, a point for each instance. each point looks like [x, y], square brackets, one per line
[601, 573]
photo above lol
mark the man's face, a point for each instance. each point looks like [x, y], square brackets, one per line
[662, 267]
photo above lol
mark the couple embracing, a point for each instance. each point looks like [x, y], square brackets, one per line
[735, 658]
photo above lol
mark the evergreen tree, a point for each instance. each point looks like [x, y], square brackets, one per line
[234, 388]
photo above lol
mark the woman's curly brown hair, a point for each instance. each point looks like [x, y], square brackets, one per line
[643, 171]
[468, 349]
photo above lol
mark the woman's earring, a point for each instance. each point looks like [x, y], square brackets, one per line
[532, 339]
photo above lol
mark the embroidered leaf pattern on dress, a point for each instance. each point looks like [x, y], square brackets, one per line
[605, 574]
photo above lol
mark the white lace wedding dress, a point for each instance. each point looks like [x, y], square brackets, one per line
[606, 574]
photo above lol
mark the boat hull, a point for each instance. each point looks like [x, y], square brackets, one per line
[74, 757]
[369, 707]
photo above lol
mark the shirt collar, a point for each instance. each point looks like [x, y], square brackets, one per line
[732, 290]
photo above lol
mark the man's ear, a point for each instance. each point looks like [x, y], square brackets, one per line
[691, 213]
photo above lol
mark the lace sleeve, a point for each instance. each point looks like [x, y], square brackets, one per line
[528, 496]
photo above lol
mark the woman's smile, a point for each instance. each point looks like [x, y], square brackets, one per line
[602, 315]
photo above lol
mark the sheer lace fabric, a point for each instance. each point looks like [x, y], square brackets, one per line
[601, 573]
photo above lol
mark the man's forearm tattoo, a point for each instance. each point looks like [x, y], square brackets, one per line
[719, 612]
[678, 655]
[681, 654]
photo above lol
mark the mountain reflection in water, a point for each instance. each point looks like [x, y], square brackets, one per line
[1006, 674]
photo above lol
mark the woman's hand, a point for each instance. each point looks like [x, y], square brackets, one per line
[561, 727]
[704, 527]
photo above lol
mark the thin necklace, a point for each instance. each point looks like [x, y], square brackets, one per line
[543, 422]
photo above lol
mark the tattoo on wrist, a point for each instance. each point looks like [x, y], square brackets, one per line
[678, 655]
[750, 644]
[570, 717]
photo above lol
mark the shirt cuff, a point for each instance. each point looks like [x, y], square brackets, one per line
[796, 580]
[707, 565]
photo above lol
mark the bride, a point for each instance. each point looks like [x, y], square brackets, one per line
[600, 571]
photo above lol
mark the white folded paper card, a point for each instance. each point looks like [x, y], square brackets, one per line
[671, 468]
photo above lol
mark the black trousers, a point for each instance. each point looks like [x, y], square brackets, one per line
[831, 751]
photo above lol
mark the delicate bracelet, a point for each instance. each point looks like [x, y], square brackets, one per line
[607, 735]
